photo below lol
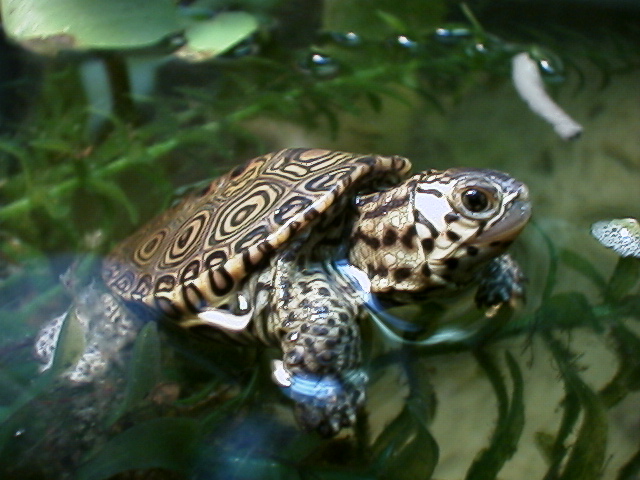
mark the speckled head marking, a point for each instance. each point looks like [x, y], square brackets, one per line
[437, 228]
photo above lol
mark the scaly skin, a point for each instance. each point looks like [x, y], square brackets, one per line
[317, 325]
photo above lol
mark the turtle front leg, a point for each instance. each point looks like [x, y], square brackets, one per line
[500, 281]
[315, 322]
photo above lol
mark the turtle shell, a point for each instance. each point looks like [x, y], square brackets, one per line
[198, 252]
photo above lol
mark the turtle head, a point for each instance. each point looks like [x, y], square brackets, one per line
[437, 228]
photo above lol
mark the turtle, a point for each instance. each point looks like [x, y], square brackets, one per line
[253, 259]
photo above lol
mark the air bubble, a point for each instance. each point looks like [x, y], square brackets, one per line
[451, 35]
[319, 64]
[486, 48]
[550, 65]
[479, 47]
[405, 42]
[346, 39]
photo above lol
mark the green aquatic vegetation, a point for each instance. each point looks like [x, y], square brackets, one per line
[511, 417]
[406, 449]
[585, 458]
[144, 370]
[167, 443]
[57, 162]
[67, 191]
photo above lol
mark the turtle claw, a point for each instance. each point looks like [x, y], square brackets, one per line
[501, 282]
[324, 404]
[325, 422]
[328, 419]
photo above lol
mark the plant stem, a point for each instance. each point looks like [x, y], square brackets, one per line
[20, 207]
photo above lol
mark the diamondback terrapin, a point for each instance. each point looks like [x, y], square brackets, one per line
[251, 259]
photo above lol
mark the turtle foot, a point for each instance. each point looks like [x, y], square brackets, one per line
[326, 404]
[501, 281]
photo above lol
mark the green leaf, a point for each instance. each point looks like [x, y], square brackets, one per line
[57, 145]
[545, 443]
[628, 306]
[587, 454]
[393, 21]
[624, 278]
[144, 371]
[71, 342]
[627, 378]
[83, 24]
[15, 416]
[207, 39]
[405, 449]
[558, 450]
[506, 435]
[571, 411]
[13, 148]
[472, 19]
[567, 310]
[114, 193]
[552, 270]
[375, 101]
[631, 469]
[168, 443]
[583, 266]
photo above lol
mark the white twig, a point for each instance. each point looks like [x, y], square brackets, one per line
[528, 83]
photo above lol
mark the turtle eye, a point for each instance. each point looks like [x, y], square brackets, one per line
[478, 202]
[475, 200]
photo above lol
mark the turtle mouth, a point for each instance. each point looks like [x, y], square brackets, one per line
[510, 225]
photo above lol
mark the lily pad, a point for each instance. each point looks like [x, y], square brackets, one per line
[206, 39]
[47, 27]
[54, 25]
